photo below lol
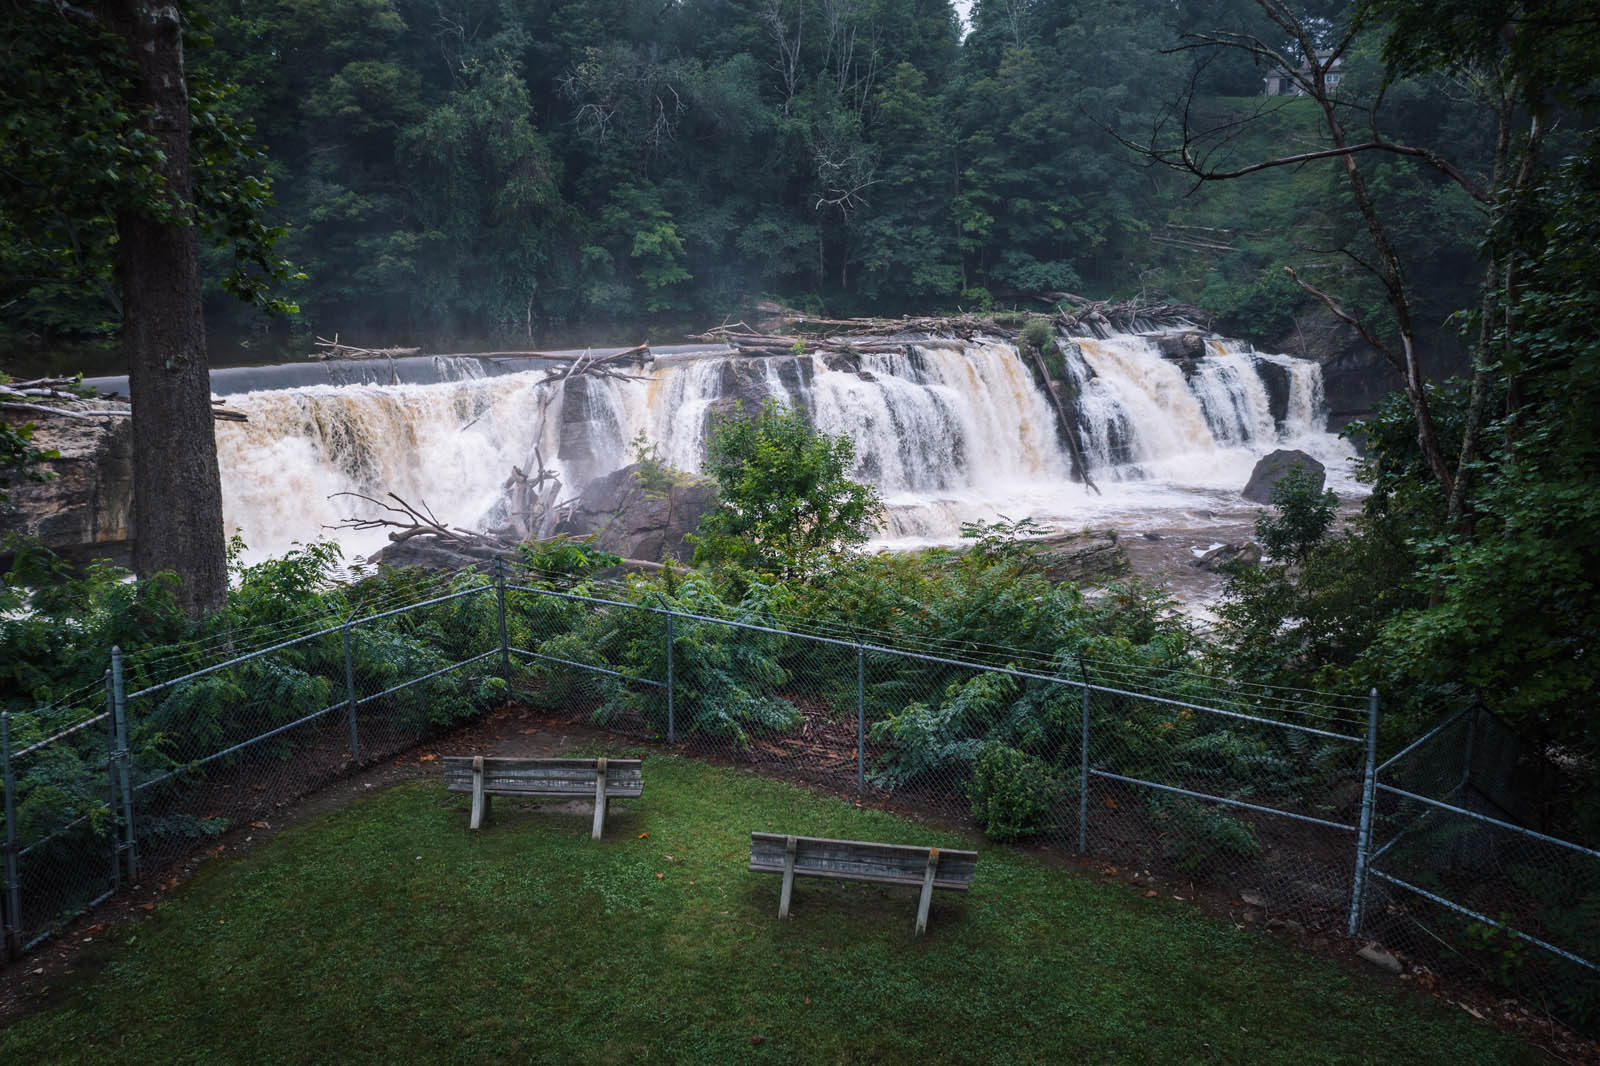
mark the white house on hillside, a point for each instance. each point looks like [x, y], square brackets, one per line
[1282, 83]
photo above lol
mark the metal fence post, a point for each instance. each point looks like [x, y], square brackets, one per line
[500, 606]
[861, 720]
[350, 695]
[111, 781]
[1472, 743]
[1083, 777]
[1364, 832]
[119, 717]
[672, 720]
[13, 907]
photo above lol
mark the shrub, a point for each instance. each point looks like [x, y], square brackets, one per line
[1204, 834]
[1012, 792]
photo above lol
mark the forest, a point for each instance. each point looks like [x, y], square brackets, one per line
[453, 170]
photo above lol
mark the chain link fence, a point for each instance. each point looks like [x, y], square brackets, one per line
[1463, 891]
[1270, 802]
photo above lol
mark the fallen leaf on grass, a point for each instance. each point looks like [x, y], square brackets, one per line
[660, 876]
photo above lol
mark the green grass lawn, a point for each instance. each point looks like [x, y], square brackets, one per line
[388, 933]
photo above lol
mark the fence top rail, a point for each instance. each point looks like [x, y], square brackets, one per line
[924, 657]
[67, 732]
[352, 621]
[1510, 826]
[1423, 739]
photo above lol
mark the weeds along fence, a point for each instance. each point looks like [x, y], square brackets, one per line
[1270, 802]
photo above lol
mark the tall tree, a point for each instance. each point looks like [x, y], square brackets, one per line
[95, 178]
[177, 491]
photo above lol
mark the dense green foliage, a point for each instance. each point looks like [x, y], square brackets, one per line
[388, 919]
[58, 627]
[74, 153]
[785, 500]
[500, 170]
[1470, 572]
[1012, 792]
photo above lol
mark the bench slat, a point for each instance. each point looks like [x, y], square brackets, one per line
[862, 860]
[856, 860]
[547, 777]
[874, 879]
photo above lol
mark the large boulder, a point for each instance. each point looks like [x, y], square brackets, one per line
[1218, 556]
[642, 512]
[437, 553]
[1272, 469]
[1085, 556]
[85, 511]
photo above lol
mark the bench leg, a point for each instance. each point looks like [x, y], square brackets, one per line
[927, 891]
[599, 799]
[480, 801]
[788, 879]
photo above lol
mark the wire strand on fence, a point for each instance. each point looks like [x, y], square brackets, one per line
[1157, 798]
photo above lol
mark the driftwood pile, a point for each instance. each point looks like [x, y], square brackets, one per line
[64, 398]
[601, 366]
[1103, 317]
[862, 335]
[406, 521]
[327, 349]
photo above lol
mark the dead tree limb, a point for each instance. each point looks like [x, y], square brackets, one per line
[334, 350]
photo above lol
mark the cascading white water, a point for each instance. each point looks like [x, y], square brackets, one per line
[450, 446]
[949, 433]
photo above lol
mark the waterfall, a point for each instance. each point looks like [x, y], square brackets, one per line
[450, 446]
[948, 431]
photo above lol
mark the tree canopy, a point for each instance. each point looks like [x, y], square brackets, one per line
[786, 502]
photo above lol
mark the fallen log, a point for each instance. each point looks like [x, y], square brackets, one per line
[335, 350]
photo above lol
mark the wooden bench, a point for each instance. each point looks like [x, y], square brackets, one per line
[600, 778]
[857, 860]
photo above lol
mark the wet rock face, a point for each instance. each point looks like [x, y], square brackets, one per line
[1079, 557]
[641, 518]
[1278, 382]
[85, 511]
[1183, 349]
[746, 384]
[1355, 375]
[1216, 558]
[1272, 468]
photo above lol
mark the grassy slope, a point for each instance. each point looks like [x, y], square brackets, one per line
[386, 933]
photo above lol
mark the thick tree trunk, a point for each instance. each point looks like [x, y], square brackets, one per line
[177, 493]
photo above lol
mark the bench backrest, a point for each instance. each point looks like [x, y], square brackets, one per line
[544, 777]
[859, 860]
